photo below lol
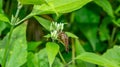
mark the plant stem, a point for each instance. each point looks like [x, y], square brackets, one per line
[111, 44]
[7, 47]
[62, 58]
[72, 17]
[73, 52]
[115, 40]
[13, 21]
[18, 10]
[69, 62]
[23, 20]
[113, 33]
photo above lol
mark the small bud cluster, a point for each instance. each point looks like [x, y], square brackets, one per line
[55, 28]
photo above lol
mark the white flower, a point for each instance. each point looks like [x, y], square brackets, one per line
[54, 35]
[55, 28]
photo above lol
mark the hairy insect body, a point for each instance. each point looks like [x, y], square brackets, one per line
[64, 39]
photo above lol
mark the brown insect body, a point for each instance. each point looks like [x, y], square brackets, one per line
[64, 39]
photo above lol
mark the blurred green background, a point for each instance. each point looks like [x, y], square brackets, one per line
[92, 24]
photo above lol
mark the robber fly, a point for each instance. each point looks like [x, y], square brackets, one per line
[64, 39]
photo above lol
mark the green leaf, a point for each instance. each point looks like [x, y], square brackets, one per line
[35, 2]
[117, 10]
[78, 47]
[105, 4]
[86, 15]
[40, 59]
[87, 22]
[52, 50]
[47, 36]
[1, 6]
[3, 18]
[33, 45]
[45, 23]
[32, 60]
[18, 47]
[71, 35]
[79, 50]
[118, 36]
[103, 30]
[113, 55]
[1, 55]
[90, 65]
[2, 26]
[58, 6]
[118, 21]
[96, 59]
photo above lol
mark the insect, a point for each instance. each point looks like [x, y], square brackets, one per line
[64, 39]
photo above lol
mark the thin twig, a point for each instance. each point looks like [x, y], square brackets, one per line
[73, 51]
[62, 58]
[111, 44]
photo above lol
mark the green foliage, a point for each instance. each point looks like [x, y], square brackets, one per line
[78, 47]
[58, 6]
[89, 38]
[45, 23]
[104, 32]
[71, 35]
[113, 55]
[88, 22]
[32, 60]
[1, 4]
[109, 59]
[3, 26]
[4, 18]
[105, 4]
[1, 55]
[37, 2]
[33, 45]
[52, 50]
[40, 59]
[79, 50]
[18, 48]
[96, 59]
